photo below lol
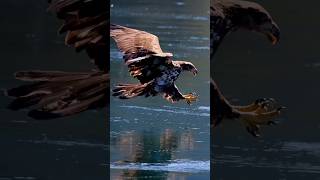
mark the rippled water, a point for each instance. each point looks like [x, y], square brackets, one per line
[269, 160]
[150, 137]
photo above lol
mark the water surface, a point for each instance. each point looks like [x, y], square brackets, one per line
[150, 137]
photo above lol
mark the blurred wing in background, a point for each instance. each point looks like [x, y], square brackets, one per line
[86, 24]
[55, 94]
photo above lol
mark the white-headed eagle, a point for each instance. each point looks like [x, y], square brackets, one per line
[227, 16]
[155, 69]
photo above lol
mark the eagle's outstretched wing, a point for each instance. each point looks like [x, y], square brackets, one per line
[142, 52]
[86, 24]
[54, 94]
[134, 43]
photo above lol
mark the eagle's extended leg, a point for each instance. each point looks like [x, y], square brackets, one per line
[261, 112]
[261, 116]
[173, 95]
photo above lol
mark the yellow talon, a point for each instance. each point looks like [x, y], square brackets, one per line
[190, 98]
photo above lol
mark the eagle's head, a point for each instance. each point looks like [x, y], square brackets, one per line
[187, 66]
[252, 16]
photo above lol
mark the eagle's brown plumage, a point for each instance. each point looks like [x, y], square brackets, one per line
[131, 41]
[227, 16]
[86, 24]
[146, 61]
[53, 94]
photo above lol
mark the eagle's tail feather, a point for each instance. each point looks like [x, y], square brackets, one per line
[127, 91]
[54, 94]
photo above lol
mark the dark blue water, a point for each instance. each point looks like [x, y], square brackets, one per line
[247, 67]
[68, 148]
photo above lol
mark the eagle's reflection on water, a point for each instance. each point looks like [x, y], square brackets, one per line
[153, 154]
[160, 147]
[148, 147]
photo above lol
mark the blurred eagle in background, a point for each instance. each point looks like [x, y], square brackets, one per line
[54, 94]
[227, 16]
[155, 69]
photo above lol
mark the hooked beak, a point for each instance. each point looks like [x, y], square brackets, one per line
[274, 35]
[194, 71]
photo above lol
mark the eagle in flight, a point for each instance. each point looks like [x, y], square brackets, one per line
[227, 16]
[155, 69]
[54, 94]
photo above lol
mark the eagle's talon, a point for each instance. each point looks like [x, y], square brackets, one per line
[190, 98]
[259, 106]
[265, 101]
[267, 104]
[262, 112]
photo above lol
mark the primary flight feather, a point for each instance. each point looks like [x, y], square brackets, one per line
[54, 94]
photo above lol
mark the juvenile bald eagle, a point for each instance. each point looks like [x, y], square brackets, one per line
[228, 16]
[54, 94]
[155, 70]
